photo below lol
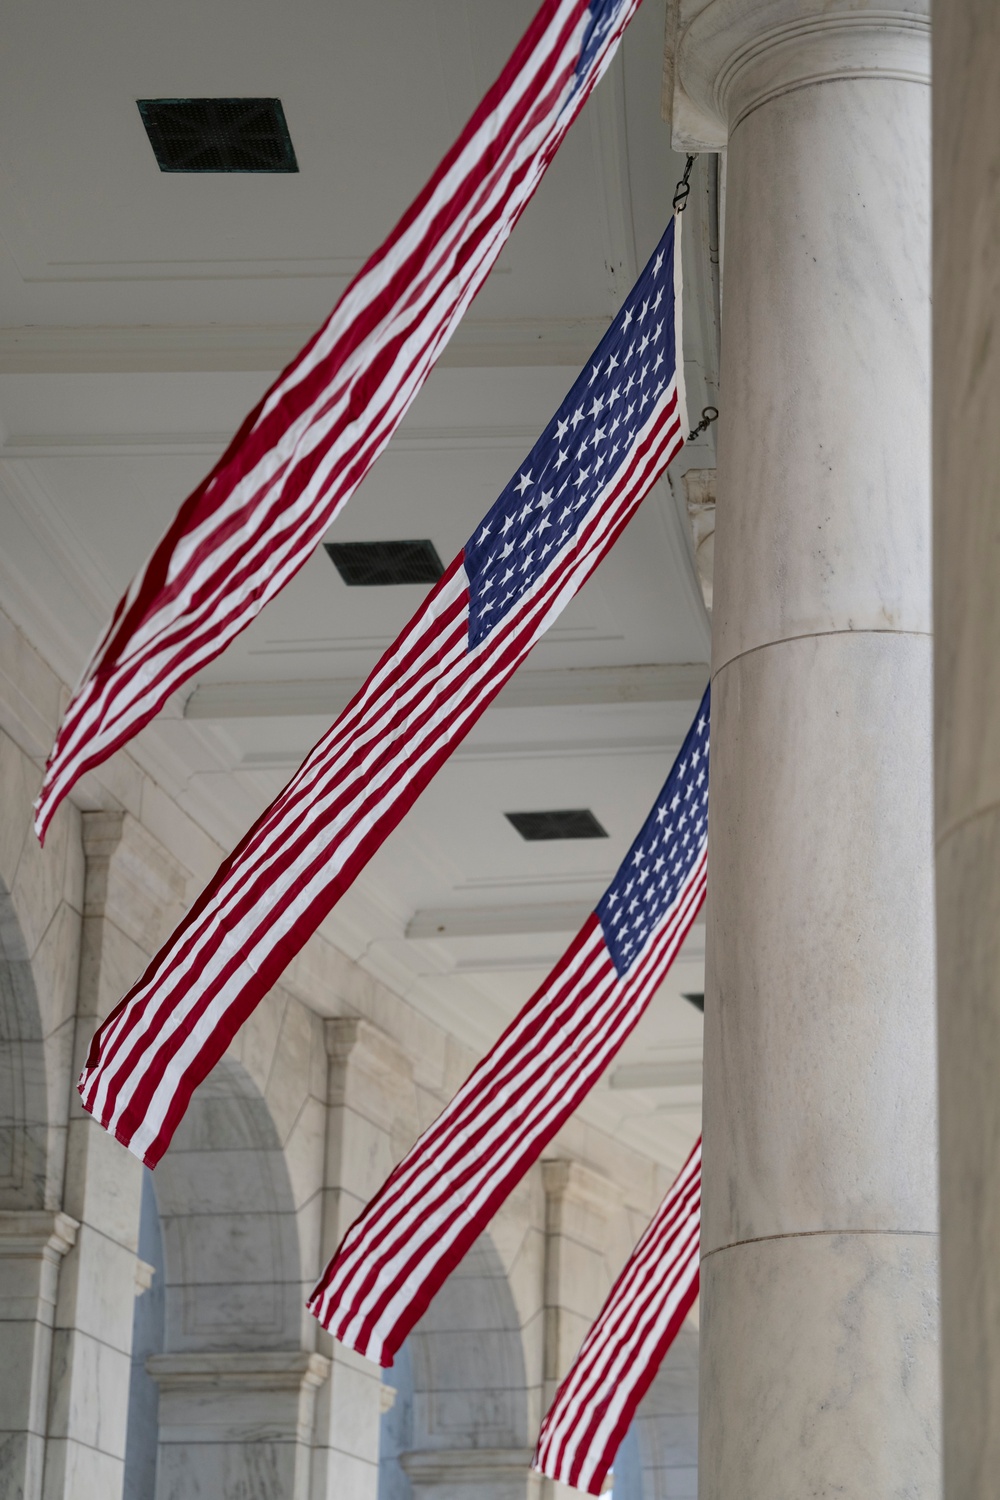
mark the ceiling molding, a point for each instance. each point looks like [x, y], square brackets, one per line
[444, 922]
[681, 682]
[110, 349]
[33, 445]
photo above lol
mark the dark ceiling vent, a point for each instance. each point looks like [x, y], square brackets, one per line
[577, 823]
[218, 135]
[698, 1001]
[364, 564]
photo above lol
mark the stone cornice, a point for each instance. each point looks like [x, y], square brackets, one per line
[252, 1369]
[728, 57]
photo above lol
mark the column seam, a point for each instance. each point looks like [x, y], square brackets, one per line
[812, 635]
[810, 1234]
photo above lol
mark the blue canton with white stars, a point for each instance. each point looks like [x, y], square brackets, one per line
[663, 856]
[583, 447]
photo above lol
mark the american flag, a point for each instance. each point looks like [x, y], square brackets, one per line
[444, 1192]
[621, 1354]
[617, 430]
[300, 455]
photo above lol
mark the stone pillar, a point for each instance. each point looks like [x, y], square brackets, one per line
[236, 1423]
[31, 1246]
[967, 712]
[132, 897]
[819, 1359]
[578, 1204]
[370, 1092]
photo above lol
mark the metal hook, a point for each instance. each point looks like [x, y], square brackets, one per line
[709, 414]
[683, 188]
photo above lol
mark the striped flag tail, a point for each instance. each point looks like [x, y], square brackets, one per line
[617, 430]
[300, 455]
[624, 1349]
[441, 1196]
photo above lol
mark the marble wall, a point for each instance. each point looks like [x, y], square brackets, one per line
[155, 1337]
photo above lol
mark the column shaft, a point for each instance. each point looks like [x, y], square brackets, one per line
[818, 1323]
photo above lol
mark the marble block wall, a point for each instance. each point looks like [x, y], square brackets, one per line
[234, 1389]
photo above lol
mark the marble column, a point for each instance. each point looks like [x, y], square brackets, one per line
[819, 1358]
[967, 731]
[370, 1092]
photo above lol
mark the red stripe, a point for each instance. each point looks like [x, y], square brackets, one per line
[509, 648]
[479, 192]
[376, 1234]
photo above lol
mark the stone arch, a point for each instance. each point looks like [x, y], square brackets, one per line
[658, 1457]
[460, 1416]
[24, 1113]
[234, 1384]
[470, 1388]
[227, 1215]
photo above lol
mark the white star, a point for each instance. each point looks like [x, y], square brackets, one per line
[526, 512]
[523, 483]
[561, 459]
[576, 418]
[645, 306]
[612, 365]
[545, 500]
[582, 477]
[627, 320]
[483, 534]
[613, 397]
[597, 371]
[597, 407]
[508, 523]
[659, 263]
[656, 302]
[644, 343]
[561, 430]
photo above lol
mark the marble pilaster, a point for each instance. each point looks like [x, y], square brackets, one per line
[369, 1090]
[967, 730]
[487, 1473]
[32, 1244]
[579, 1203]
[133, 895]
[818, 1310]
[236, 1423]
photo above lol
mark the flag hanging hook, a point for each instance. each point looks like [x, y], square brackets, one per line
[709, 414]
[683, 188]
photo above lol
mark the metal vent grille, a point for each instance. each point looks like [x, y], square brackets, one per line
[218, 135]
[366, 564]
[575, 823]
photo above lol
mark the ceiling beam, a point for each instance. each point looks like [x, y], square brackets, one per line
[475, 344]
[680, 682]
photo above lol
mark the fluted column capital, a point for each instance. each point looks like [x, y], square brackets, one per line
[725, 58]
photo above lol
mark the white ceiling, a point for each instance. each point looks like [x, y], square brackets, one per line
[143, 314]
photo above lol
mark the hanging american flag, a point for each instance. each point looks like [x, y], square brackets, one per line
[300, 455]
[626, 1345]
[444, 1192]
[617, 430]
